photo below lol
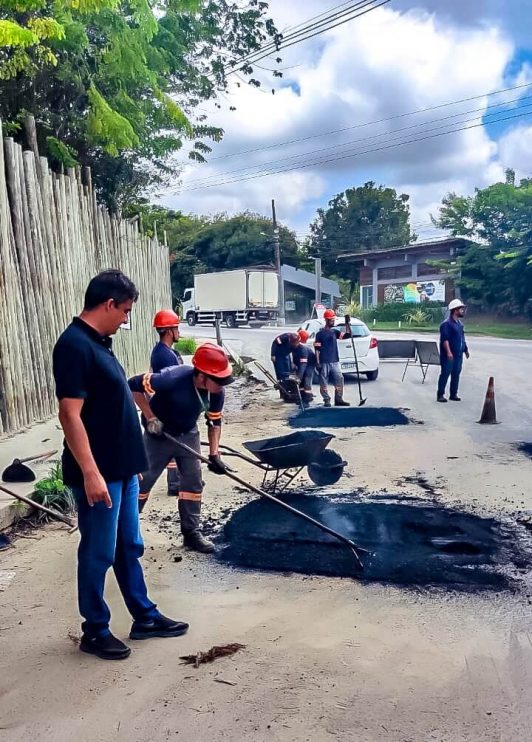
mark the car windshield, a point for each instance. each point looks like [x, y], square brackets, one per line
[357, 331]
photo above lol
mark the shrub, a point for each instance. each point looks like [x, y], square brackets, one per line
[417, 317]
[53, 493]
[395, 311]
[186, 346]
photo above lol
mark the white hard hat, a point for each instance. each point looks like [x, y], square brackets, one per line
[455, 304]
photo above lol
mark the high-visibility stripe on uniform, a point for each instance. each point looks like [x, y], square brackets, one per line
[317, 345]
[214, 415]
[146, 384]
[193, 496]
[172, 465]
[144, 496]
[303, 360]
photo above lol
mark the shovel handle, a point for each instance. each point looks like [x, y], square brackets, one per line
[45, 455]
[48, 511]
[357, 550]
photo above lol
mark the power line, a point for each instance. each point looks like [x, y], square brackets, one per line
[387, 134]
[306, 32]
[369, 123]
[354, 154]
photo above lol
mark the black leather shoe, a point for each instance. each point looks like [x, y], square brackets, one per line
[160, 626]
[196, 541]
[106, 647]
[441, 399]
[339, 402]
[455, 399]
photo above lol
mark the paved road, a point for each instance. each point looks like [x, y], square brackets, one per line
[509, 361]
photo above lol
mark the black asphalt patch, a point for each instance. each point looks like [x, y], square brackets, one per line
[411, 545]
[525, 448]
[353, 417]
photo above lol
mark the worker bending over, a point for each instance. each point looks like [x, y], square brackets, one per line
[304, 360]
[164, 355]
[328, 361]
[282, 348]
[179, 395]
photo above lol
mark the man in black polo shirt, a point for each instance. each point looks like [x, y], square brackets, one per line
[102, 457]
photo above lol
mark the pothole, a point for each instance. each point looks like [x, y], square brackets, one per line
[353, 417]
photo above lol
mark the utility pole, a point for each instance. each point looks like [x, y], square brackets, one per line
[317, 271]
[277, 246]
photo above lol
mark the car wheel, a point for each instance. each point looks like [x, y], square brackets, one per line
[372, 375]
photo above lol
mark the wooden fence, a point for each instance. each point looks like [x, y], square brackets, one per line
[54, 238]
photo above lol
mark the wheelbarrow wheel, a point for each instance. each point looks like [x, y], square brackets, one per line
[327, 468]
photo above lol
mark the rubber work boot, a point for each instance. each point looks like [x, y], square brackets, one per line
[159, 626]
[340, 402]
[327, 403]
[196, 541]
[106, 647]
[441, 399]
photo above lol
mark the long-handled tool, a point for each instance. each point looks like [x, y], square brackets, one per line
[363, 400]
[356, 550]
[43, 508]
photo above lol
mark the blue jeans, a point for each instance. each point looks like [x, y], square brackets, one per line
[452, 368]
[110, 537]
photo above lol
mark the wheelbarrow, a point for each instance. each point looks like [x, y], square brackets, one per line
[283, 458]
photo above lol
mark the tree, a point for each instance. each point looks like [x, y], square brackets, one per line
[116, 84]
[221, 243]
[369, 217]
[495, 272]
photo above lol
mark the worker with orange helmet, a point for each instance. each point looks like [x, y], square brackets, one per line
[304, 360]
[166, 322]
[172, 402]
[280, 353]
[164, 355]
[328, 361]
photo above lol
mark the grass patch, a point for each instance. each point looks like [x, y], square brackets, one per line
[186, 346]
[53, 493]
[500, 330]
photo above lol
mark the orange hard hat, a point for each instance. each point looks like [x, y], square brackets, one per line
[303, 335]
[329, 314]
[211, 360]
[165, 318]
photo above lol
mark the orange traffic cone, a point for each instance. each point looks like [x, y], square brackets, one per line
[489, 415]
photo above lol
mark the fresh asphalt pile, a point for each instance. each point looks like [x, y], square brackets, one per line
[354, 417]
[421, 544]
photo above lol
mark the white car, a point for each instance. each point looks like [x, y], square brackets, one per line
[367, 347]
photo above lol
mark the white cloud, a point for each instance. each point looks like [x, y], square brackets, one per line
[515, 150]
[380, 66]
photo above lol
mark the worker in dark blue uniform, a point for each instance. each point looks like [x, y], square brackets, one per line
[281, 351]
[304, 360]
[172, 402]
[164, 355]
[328, 361]
[453, 347]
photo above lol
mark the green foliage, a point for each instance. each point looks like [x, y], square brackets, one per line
[53, 493]
[496, 271]
[205, 244]
[395, 311]
[120, 82]
[186, 346]
[368, 217]
[417, 317]
[60, 153]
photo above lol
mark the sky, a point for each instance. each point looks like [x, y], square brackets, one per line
[353, 96]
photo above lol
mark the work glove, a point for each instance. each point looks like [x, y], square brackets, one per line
[154, 426]
[216, 465]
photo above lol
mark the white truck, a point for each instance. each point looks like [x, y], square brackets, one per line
[239, 297]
